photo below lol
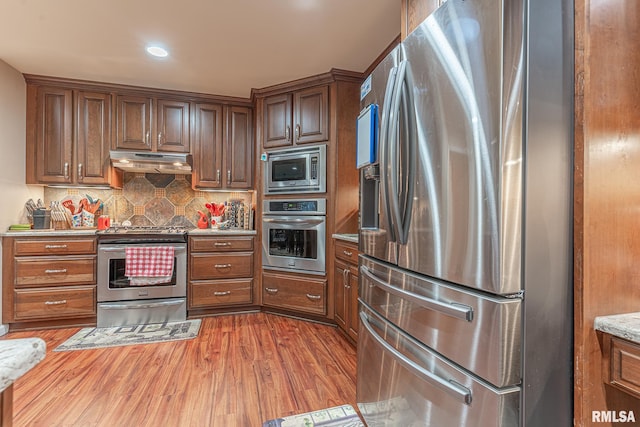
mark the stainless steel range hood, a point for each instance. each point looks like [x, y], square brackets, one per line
[147, 162]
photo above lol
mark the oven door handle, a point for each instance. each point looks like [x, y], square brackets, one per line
[120, 248]
[142, 305]
[294, 221]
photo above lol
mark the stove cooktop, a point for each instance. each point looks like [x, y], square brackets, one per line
[142, 234]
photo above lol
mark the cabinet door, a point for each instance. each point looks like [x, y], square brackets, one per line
[413, 12]
[207, 168]
[172, 126]
[133, 123]
[311, 115]
[54, 135]
[341, 294]
[239, 148]
[93, 137]
[354, 319]
[276, 121]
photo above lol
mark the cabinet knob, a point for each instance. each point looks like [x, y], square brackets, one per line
[221, 294]
[146, 137]
[287, 133]
[271, 290]
[297, 132]
[66, 170]
[347, 253]
[63, 301]
[222, 265]
[80, 177]
[229, 176]
[314, 297]
[159, 137]
[218, 175]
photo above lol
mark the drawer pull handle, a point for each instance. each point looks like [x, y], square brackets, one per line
[55, 246]
[221, 294]
[62, 270]
[314, 297]
[347, 253]
[62, 301]
[271, 290]
[222, 244]
[222, 265]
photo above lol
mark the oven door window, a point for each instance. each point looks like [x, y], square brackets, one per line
[294, 169]
[293, 243]
[117, 279]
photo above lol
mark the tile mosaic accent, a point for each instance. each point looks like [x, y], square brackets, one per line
[152, 199]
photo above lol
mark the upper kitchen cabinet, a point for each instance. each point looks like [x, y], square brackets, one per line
[147, 123]
[413, 12]
[68, 136]
[223, 146]
[297, 117]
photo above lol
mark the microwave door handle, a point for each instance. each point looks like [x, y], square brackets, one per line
[383, 150]
[392, 153]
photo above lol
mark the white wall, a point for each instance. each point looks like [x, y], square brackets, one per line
[12, 150]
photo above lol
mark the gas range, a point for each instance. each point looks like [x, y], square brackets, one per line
[143, 234]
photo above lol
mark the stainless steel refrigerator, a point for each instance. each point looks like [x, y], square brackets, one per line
[466, 221]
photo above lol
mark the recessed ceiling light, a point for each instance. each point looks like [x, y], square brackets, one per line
[157, 51]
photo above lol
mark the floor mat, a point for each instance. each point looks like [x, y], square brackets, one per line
[89, 338]
[339, 416]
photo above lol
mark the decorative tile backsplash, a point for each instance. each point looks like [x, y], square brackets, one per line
[152, 199]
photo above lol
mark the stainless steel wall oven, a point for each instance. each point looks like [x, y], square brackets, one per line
[294, 234]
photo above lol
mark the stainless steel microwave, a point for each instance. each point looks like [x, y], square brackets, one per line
[296, 170]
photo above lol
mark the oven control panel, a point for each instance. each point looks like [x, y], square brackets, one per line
[306, 206]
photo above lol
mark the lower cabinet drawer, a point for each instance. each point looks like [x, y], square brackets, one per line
[54, 303]
[220, 293]
[53, 271]
[294, 293]
[220, 265]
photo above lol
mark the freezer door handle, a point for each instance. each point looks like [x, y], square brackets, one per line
[460, 311]
[449, 386]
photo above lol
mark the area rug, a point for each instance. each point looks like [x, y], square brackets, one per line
[89, 338]
[339, 416]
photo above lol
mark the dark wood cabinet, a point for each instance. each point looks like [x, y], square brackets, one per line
[220, 272]
[223, 147]
[93, 137]
[414, 12]
[68, 136]
[146, 123]
[345, 277]
[49, 281]
[54, 135]
[300, 117]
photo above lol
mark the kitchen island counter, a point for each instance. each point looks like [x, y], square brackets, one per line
[626, 326]
[17, 357]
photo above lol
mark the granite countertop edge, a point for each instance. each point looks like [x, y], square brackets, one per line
[353, 238]
[92, 232]
[625, 325]
[17, 357]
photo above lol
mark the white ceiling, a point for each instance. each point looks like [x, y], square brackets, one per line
[218, 47]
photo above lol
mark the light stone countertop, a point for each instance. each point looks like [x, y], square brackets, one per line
[49, 233]
[625, 326]
[17, 357]
[217, 232]
[353, 238]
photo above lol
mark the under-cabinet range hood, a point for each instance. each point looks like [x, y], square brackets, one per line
[140, 161]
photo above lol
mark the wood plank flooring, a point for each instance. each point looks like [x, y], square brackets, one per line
[241, 370]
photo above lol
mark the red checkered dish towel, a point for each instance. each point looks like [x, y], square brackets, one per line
[149, 261]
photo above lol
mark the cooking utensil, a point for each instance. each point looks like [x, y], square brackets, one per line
[69, 205]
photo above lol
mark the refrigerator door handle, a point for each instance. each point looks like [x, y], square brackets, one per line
[409, 141]
[383, 148]
[453, 309]
[392, 153]
[449, 386]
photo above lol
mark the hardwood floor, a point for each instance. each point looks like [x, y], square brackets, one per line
[241, 370]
